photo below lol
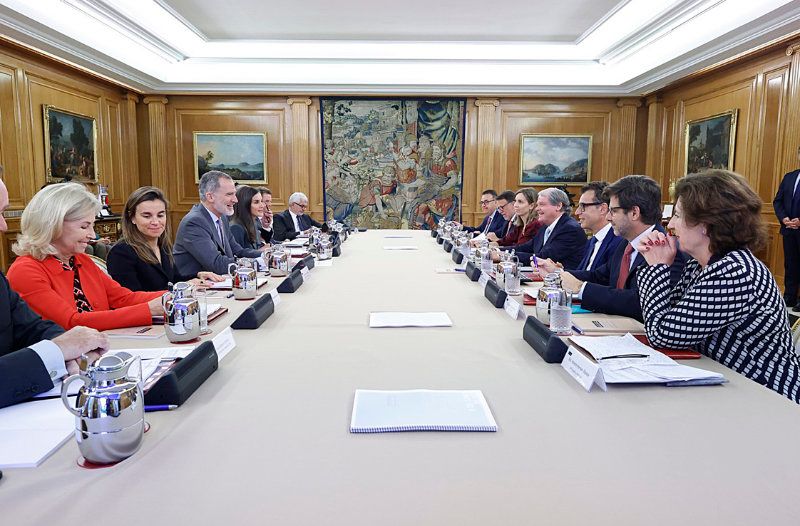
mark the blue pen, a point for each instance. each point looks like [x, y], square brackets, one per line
[154, 408]
[535, 263]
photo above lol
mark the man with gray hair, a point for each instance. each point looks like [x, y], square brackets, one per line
[204, 240]
[293, 221]
[562, 238]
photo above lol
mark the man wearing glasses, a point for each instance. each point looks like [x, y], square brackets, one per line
[494, 221]
[293, 221]
[505, 207]
[634, 211]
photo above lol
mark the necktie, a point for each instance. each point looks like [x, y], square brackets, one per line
[219, 231]
[547, 232]
[589, 251]
[795, 211]
[488, 223]
[625, 267]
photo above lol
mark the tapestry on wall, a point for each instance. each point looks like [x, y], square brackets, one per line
[393, 163]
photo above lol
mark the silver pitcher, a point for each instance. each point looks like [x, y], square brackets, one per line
[244, 279]
[279, 261]
[181, 317]
[109, 409]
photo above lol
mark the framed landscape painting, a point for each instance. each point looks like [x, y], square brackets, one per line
[710, 142]
[70, 143]
[242, 155]
[548, 159]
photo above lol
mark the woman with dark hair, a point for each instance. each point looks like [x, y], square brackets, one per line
[525, 224]
[726, 303]
[246, 219]
[142, 259]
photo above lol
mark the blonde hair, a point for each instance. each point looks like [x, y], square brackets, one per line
[43, 218]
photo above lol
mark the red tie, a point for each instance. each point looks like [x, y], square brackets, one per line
[625, 267]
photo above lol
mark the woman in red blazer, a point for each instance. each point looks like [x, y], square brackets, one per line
[57, 279]
[525, 223]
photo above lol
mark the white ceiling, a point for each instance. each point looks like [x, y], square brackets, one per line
[502, 47]
[425, 20]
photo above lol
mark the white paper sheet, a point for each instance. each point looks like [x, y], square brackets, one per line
[323, 263]
[31, 432]
[400, 247]
[409, 319]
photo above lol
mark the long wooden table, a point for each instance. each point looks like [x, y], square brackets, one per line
[265, 440]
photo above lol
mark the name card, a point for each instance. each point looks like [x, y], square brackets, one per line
[513, 308]
[305, 272]
[583, 370]
[276, 297]
[484, 279]
[224, 343]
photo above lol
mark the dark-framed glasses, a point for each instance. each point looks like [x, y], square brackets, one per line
[487, 203]
[582, 206]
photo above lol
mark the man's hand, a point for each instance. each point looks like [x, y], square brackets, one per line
[548, 265]
[266, 219]
[570, 283]
[78, 341]
[491, 236]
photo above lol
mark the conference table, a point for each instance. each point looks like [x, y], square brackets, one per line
[265, 440]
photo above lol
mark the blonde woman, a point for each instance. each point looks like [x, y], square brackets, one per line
[55, 276]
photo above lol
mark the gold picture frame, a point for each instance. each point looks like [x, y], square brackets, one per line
[555, 159]
[70, 146]
[710, 142]
[242, 155]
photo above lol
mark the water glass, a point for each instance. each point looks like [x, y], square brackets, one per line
[201, 295]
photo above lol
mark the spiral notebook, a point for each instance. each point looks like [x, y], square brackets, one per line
[420, 410]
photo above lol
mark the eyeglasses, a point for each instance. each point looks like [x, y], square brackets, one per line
[486, 203]
[505, 205]
[613, 209]
[582, 206]
[301, 206]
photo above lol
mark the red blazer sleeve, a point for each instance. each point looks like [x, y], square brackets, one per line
[510, 238]
[47, 288]
[530, 231]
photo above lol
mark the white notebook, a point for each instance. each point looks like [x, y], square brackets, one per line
[420, 410]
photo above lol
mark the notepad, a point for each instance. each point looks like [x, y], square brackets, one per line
[409, 319]
[400, 247]
[31, 432]
[149, 332]
[420, 410]
[228, 283]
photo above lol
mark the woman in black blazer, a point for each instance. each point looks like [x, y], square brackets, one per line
[246, 219]
[142, 259]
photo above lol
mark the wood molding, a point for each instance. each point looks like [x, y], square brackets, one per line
[791, 137]
[655, 139]
[156, 114]
[131, 168]
[487, 110]
[300, 140]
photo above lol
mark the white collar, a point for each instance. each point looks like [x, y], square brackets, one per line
[602, 233]
[637, 239]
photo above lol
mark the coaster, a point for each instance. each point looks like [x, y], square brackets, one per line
[85, 464]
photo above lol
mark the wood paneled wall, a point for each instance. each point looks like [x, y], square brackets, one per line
[27, 83]
[765, 90]
[148, 139]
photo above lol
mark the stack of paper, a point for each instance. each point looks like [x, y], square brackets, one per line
[409, 319]
[624, 359]
[31, 432]
[420, 410]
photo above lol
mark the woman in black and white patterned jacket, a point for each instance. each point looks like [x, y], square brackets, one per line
[726, 304]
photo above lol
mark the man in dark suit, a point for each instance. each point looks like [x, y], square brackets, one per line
[787, 208]
[560, 238]
[204, 240]
[592, 213]
[505, 207]
[635, 211]
[293, 221]
[493, 221]
[35, 352]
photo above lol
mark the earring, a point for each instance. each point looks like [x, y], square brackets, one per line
[704, 231]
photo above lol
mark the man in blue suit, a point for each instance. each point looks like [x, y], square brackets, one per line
[204, 240]
[560, 238]
[634, 211]
[787, 208]
[493, 221]
[592, 213]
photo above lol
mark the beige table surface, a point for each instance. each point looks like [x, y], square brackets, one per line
[265, 440]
